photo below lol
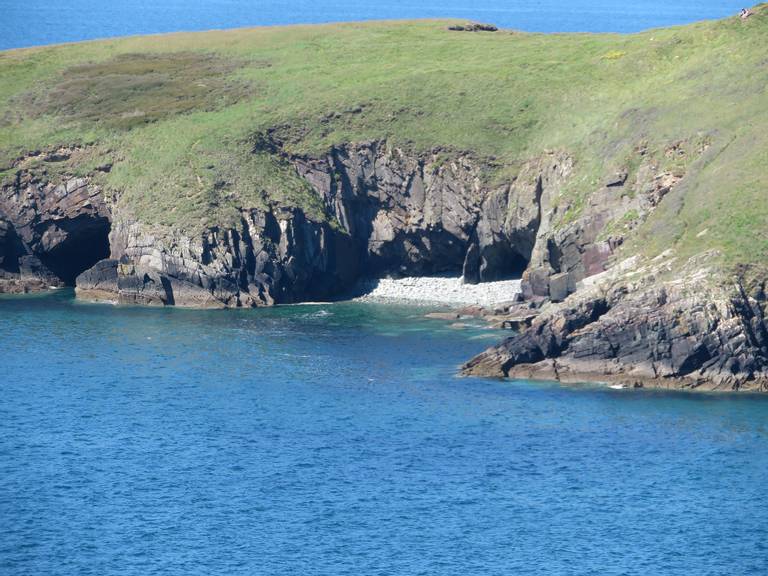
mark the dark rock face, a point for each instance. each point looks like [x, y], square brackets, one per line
[270, 258]
[100, 281]
[683, 333]
[388, 213]
[391, 214]
[10, 248]
[49, 233]
[423, 215]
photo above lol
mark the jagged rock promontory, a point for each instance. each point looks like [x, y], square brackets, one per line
[662, 323]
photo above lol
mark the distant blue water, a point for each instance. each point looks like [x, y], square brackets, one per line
[34, 22]
[336, 440]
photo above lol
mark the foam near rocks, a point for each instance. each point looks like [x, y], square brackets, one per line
[439, 290]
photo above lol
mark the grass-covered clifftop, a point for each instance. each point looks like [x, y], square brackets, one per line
[178, 116]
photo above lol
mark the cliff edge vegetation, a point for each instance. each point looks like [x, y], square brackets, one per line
[176, 115]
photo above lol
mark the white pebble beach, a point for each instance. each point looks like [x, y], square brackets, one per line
[438, 290]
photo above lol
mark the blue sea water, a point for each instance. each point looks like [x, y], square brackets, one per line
[337, 440]
[34, 22]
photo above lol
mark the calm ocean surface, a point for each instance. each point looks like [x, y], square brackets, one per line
[336, 440]
[33, 22]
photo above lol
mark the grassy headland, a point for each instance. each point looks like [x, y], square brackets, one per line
[177, 115]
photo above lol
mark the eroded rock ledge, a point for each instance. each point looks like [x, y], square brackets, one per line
[645, 325]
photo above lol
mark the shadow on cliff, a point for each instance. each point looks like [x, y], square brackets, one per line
[86, 243]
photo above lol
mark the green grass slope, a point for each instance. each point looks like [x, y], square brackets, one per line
[177, 115]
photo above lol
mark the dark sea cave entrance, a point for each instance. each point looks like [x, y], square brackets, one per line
[502, 263]
[86, 244]
[513, 268]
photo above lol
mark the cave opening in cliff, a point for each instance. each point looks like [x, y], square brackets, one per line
[86, 243]
[502, 263]
[514, 267]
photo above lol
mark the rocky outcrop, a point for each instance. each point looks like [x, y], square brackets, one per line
[272, 257]
[387, 212]
[417, 215]
[645, 325]
[49, 231]
[570, 249]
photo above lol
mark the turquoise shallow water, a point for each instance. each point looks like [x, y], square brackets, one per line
[336, 440]
[33, 22]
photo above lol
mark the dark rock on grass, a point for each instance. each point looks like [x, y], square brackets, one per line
[618, 179]
[473, 27]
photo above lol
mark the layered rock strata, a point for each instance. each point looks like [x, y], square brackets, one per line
[661, 324]
[387, 212]
[50, 231]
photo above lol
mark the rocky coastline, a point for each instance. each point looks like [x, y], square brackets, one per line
[658, 324]
[388, 213]
[584, 315]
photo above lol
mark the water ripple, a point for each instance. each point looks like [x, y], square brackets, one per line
[136, 441]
